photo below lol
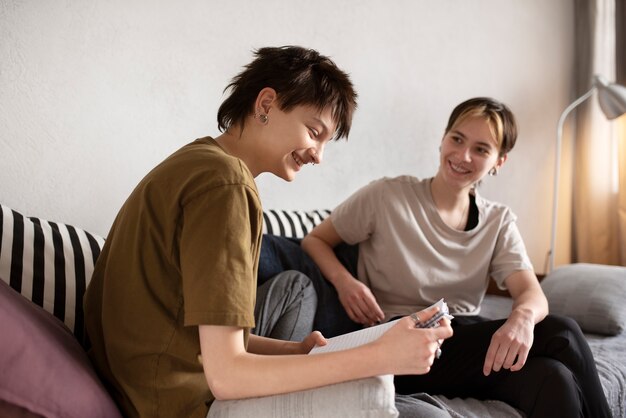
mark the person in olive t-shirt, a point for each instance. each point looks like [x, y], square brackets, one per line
[171, 303]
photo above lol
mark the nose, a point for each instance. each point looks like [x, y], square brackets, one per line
[317, 154]
[466, 154]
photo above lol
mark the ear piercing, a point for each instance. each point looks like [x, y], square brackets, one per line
[493, 171]
[263, 118]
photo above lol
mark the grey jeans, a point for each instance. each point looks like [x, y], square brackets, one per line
[285, 307]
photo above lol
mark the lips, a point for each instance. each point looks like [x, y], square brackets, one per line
[458, 168]
[297, 159]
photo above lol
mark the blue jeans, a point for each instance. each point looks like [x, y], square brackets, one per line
[279, 254]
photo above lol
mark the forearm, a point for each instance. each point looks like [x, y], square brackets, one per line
[249, 375]
[232, 372]
[529, 301]
[270, 346]
[324, 256]
[531, 305]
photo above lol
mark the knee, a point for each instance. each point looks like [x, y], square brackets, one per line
[561, 338]
[555, 385]
[560, 327]
[558, 322]
[296, 283]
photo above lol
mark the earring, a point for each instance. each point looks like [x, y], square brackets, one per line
[263, 118]
[493, 171]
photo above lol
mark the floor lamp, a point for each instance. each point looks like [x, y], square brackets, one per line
[612, 99]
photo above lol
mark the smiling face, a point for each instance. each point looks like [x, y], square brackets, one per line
[295, 138]
[468, 151]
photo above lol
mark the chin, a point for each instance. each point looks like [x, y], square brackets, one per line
[288, 176]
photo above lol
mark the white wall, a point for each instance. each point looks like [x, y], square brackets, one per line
[93, 93]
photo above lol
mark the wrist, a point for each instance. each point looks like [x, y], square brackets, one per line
[341, 279]
[523, 314]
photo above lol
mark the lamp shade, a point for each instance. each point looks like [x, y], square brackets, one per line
[611, 97]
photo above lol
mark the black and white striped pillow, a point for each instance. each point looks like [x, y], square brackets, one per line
[292, 223]
[49, 263]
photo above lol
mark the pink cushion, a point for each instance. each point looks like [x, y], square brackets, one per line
[44, 368]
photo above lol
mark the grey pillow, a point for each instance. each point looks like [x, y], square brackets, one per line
[370, 397]
[592, 294]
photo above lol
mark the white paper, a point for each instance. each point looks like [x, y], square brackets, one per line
[354, 339]
[365, 335]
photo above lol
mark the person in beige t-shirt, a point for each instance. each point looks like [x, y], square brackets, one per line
[425, 239]
[172, 300]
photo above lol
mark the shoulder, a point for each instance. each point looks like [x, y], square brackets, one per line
[199, 167]
[492, 210]
[398, 183]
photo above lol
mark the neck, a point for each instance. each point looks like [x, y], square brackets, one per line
[452, 204]
[448, 198]
[240, 146]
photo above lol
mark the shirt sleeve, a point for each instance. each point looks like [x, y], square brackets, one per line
[217, 244]
[510, 253]
[355, 218]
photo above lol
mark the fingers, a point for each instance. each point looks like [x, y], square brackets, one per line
[312, 340]
[318, 338]
[443, 331]
[522, 356]
[490, 358]
[364, 309]
[426, 314]
[509, 357]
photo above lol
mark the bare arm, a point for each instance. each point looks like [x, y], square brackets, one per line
[271, 346]
[233, 373]
[511, 343]
[356, 298]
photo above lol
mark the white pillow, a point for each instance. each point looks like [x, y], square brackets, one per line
[49, 263]
[371, 397]
[592, 294]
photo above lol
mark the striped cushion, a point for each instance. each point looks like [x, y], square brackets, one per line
[292, 223]
[49, 263]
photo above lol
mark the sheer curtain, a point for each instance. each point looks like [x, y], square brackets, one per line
[599, 169]
[620, 47]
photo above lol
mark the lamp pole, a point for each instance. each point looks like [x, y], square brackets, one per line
[557, 170]
[612, 100]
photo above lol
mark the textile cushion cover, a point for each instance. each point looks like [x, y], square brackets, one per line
[371, 397]
[292, 223]
[48, 263]
[44, 368]
[593, 295]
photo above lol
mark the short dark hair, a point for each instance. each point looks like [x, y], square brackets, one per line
[300, 76]
[499, 116]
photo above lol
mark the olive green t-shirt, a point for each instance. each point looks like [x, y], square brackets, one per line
[183, 251]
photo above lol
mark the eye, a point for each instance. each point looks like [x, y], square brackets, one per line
[314, 133]
[457, 139]
[483, 150]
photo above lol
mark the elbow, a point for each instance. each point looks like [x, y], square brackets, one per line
[222, 388]
[306, 243]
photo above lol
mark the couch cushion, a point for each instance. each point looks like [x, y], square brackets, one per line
[44, 369]
[292, 223]
[593, 295]
[49, 263]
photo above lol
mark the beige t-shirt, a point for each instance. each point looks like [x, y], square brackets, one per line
[410, 258]
[183, 251]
